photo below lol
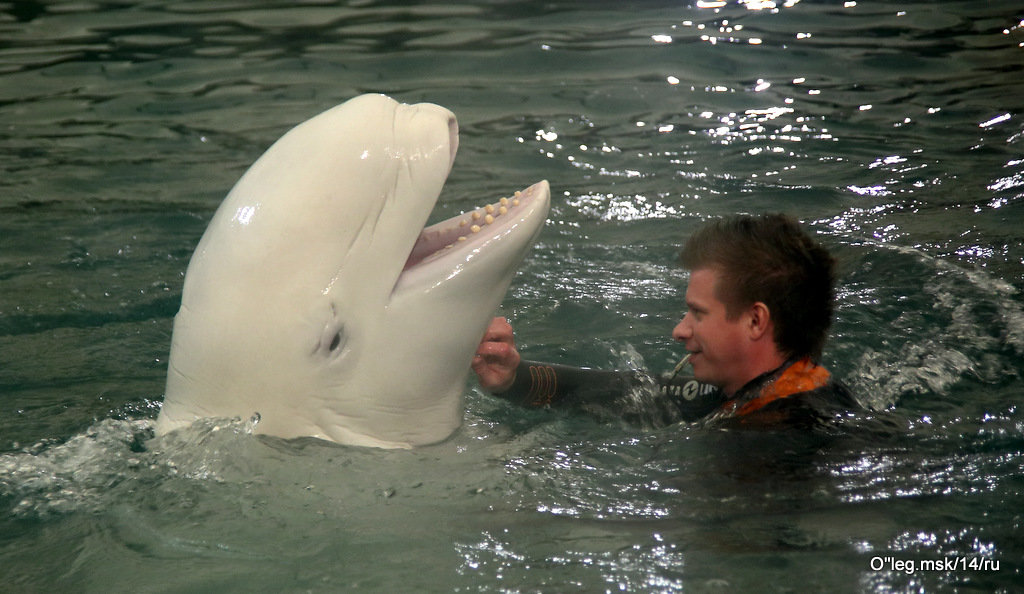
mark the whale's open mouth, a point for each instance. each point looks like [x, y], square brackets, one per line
[469, 231]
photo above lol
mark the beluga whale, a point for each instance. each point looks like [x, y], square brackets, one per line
[318, 302]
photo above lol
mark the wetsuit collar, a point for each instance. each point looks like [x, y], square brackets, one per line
[792, 377]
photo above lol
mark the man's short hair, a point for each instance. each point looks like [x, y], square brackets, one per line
[772, 260]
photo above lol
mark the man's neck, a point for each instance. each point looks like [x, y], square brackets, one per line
[759, 363]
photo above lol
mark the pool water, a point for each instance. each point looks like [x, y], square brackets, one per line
[893, 131]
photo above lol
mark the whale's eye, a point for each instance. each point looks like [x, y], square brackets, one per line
[332, 341]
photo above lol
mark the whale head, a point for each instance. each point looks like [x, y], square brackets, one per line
[317, 300]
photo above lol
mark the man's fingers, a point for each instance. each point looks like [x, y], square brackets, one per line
[495, 352]
[496, 357]
[499, 330]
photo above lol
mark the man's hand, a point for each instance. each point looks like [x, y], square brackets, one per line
[496, 358]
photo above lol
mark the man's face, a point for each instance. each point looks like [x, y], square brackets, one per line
[717, 345]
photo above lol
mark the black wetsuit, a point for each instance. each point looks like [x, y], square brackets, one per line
[798, 393]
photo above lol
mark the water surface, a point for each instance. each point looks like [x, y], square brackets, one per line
[893, 131]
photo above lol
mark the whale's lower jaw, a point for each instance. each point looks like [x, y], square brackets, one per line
[445, 245]
[406, 386]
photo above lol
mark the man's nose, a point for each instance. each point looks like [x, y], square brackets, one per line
[682, 331]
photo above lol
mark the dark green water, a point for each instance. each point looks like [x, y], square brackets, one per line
[894, 131]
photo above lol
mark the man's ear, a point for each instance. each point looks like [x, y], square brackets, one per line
[760, 320]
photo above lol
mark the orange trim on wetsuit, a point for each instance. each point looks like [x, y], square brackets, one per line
[543, 385]
[801, 376]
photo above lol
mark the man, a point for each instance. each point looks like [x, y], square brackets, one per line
[759, 304]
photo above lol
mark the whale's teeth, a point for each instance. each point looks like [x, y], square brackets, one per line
[488, 214]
